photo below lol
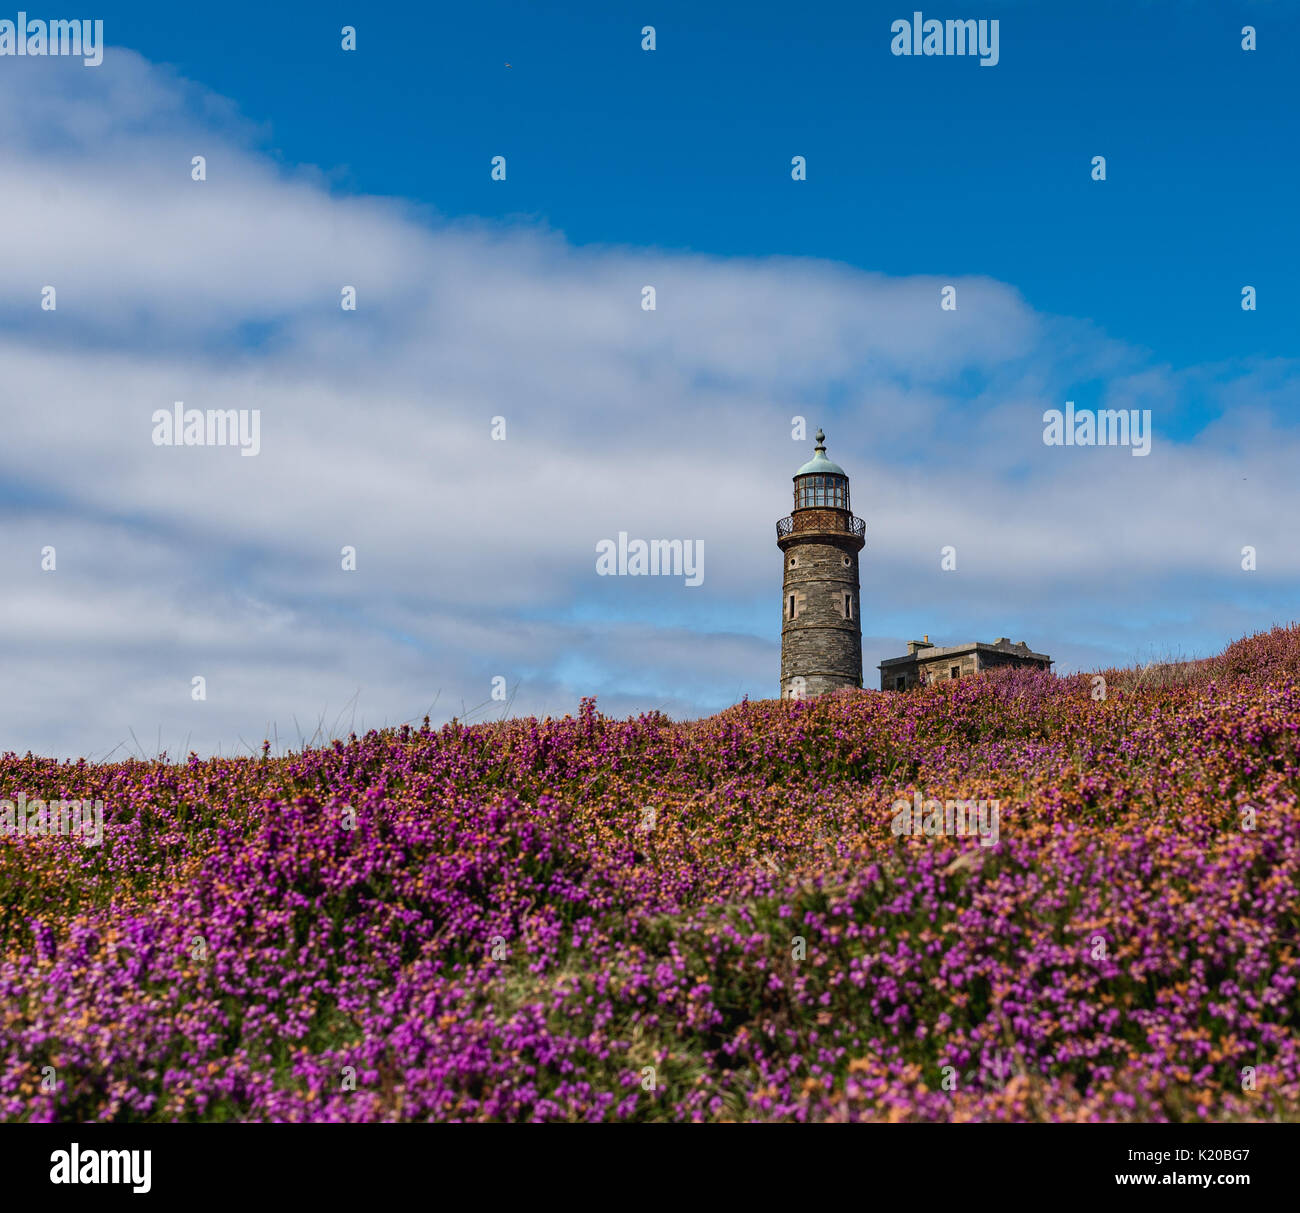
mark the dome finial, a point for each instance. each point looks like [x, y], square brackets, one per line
[819, 465]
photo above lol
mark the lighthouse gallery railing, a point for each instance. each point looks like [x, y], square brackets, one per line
[856, 526]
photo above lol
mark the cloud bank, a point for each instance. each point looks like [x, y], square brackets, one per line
[475, 558]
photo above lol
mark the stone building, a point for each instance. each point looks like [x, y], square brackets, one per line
[821, 635]
[927, 663]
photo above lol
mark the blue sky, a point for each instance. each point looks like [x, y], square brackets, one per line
[917, 165]
[521, 298]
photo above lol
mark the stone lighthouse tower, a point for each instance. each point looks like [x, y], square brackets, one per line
[821, 635]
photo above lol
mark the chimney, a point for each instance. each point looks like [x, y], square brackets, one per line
[914, 645]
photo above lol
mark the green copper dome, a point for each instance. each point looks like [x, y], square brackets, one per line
[819, 464]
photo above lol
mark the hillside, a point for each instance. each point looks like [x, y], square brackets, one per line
[596, 919]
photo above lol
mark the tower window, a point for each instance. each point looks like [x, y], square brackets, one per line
[821, 490]
[848, 606]
[791, 606]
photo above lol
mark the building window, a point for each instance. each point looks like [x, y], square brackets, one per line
[900, 683]
[955, 672]
[826, 491]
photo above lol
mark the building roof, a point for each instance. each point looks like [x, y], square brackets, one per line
[932, 652]
[819, 463]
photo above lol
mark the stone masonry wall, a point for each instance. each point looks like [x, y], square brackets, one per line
[939, 669]
[819, 644]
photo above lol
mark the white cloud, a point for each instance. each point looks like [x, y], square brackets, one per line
[476, 558]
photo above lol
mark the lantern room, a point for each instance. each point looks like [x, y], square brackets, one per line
[821, 484]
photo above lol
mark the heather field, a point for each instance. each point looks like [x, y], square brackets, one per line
[594, 919]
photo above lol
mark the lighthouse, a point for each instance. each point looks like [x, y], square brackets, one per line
[821, 634]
